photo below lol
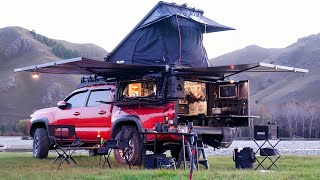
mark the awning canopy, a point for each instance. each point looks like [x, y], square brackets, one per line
[83, 65]
[222, 72]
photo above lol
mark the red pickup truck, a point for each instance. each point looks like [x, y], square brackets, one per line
[101, 107]
[143, 96]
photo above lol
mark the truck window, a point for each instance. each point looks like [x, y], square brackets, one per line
[144, 89]
[96, 96]
[77, 100]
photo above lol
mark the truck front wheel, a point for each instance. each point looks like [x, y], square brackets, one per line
[134, 153]
[40, 143]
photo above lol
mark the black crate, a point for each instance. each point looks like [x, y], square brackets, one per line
[268, 152]
[244, 159]
[175, 87]
[150, 160]
[261, 132]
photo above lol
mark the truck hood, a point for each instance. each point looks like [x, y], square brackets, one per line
[47, 112]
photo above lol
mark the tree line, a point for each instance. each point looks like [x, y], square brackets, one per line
[9, 128]
[294, 119]
[57, 48]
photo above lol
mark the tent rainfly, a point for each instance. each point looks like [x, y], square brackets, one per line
[169, 34]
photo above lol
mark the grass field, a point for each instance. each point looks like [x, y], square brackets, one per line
[23, 166]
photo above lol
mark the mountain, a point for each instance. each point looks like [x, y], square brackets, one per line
[278, 88]
[249, 54]
[20, 95]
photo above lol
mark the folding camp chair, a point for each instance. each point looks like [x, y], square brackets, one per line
[65, 142]
[122, 143]
[104, 152]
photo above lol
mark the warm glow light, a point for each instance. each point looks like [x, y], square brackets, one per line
[35, 75]
[231, 81]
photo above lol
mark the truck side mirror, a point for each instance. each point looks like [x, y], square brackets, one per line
[62, 104]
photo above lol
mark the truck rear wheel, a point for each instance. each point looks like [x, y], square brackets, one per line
[134, 154]
[40, 143]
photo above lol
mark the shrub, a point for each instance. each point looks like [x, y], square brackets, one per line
[22, 127]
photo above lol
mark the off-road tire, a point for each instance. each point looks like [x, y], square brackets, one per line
[40, 143]
[136, 154]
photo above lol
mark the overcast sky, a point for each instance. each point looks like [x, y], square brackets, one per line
[268, 23]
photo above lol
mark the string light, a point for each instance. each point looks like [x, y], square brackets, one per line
[35, 75]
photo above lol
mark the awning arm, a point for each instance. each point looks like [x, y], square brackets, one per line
[244, 70]
[279, 67]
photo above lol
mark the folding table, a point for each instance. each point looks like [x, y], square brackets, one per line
[265, 136]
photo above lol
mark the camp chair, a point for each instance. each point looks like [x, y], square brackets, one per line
[104, 151]
[61, 135]
[122, 143]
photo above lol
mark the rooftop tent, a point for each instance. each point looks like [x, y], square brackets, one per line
[169, 35]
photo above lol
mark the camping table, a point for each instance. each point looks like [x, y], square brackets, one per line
[260, 149]
[185, 143]
[66, 154]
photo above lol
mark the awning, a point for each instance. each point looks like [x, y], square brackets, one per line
[227, 71]
[83, 65]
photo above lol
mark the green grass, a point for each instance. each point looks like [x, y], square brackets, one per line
[23, 166]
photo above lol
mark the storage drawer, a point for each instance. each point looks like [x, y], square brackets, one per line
[183, 109]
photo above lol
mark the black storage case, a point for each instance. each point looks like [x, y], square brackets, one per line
[244, 159]
[261, 132]
[268, 152]
[266, 132]
[150, 160]
[175, 87]
[153, 161]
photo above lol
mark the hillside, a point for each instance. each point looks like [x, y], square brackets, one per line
[269, 88]
[20, 95]
[249, 54]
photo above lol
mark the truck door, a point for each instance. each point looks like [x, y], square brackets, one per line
[96, 116]
[71, 114]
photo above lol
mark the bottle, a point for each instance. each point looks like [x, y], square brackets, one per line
[98, 137]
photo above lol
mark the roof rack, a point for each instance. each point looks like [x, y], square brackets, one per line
[92, 80]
